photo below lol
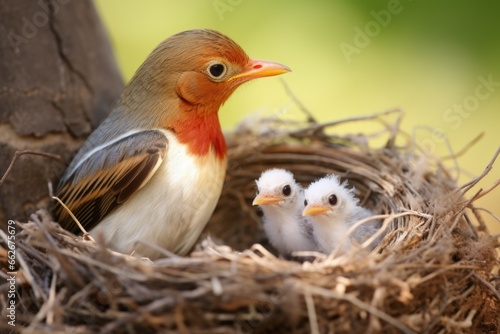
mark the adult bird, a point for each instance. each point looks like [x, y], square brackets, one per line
[153, 170]
[332, 209]
[281, 200]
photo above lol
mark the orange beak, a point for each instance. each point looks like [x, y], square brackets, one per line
[265, 200]
[315, 210]
[259, 69]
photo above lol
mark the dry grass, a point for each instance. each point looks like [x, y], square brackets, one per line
[436, 271]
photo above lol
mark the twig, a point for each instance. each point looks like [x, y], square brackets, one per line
[84, 231]
[311, 311]
[488, 212]
[52, 299]
[381, 231]
[466, 186]
[463, 205]
[47, 309]
[27, 272]
[27, 152]
[486, 191]
[464, 149]
[57, 252]
[395, 130]
[452, 155]
[387, 218]
[487, 284]
[317, 128]
[359, 303]
[263, 251]
[295, 99]
[467, 323]
[29, 276]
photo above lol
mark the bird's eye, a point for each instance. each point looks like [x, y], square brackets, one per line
[287, 190]
[332, 199]
[305, 202]
[216, 70]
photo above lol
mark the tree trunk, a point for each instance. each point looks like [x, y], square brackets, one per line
[58, 81]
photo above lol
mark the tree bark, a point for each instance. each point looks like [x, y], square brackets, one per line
[58, 81]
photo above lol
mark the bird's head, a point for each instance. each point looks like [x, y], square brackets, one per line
[183, 83]
[328, 199]
[277, 188]
[199, 69]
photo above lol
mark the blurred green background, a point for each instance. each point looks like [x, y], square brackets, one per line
[437, 61]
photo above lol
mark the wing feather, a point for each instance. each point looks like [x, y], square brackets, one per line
[107, 177]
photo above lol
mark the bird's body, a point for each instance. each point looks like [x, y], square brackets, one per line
[333, 209]
[281, 198]
[334, 232]
[288, 239]
[198, 180]
[153, 170]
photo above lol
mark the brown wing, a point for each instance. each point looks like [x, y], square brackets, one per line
[107, 176]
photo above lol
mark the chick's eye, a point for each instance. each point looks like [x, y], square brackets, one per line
[305, 202]
[287, 190]
[217, 70]
[332, 199]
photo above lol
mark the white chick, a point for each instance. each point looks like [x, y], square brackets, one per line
[281, 200]
[332, 209]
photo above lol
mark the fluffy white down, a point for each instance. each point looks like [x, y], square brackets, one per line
[171, 210]
[284, 225]
[330, 228]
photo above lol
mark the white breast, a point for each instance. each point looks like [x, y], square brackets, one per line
[286, 231]
[172, 209]
[330, 234]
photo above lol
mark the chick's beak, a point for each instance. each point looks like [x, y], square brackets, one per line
[315, 210]
[265, 200]
[259, 69]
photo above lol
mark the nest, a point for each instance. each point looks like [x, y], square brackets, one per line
[436, 270]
